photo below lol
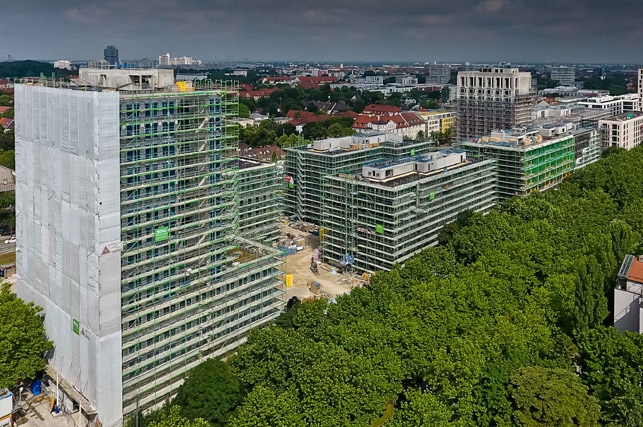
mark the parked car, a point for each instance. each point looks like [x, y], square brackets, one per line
[12, 239]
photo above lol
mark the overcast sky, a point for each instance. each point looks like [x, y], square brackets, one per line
[341, 30]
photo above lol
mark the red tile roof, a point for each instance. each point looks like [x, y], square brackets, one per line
[6, 123]
[3, 109]
[261, 93]
[401, 120]
[636, 271]
[381, 109]
[246, 87]
[307, 82]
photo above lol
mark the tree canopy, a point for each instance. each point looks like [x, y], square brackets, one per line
[23, 342]
[211, 392]
[173, 418]
[30, 68]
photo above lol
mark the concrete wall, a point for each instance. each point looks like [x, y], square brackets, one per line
[68, 233]
[627, 311]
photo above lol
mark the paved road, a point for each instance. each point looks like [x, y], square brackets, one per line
[6, 248]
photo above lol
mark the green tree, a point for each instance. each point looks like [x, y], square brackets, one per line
[312, 107]
[244, 112]
[445, 94]
[337, 130]
[422, 409]
[5, 100]
[8, 113]
[23, 342]
[265, 408]
[8, 159]
[173, 418]
[551, 397]
[611, 366]
[420, 136]
[210, 392]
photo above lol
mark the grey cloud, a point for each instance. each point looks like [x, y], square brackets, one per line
[475, 30]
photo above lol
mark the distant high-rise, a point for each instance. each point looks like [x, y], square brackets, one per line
[439, 74]
[491, 99]
[111, 54]
[564, 75]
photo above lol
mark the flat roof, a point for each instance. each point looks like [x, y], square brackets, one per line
[409, 177]
[624, 117]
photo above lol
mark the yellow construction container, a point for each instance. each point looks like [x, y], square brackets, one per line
[322, 233]
[289, 280]
[183, 86]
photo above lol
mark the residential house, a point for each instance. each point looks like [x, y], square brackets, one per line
[257, 94]
[406, 124]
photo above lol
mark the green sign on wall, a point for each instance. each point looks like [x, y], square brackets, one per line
[432, 195]
[75, 326]
[413, 152]
[161, 234]
[379, 228]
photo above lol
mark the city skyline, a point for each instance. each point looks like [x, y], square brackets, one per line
[490, 30]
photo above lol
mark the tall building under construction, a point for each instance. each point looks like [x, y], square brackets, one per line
[491, 99]
[127, 212]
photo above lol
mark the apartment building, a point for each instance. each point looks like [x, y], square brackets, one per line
[614, 104]
[624, 130]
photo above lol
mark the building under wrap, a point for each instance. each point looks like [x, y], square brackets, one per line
[127, 217]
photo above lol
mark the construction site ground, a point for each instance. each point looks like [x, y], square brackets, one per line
[299, 266]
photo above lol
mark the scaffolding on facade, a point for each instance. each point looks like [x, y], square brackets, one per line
[185, 296]
[380, 224]
[259, 205]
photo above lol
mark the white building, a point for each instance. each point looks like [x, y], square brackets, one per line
[405, 80]
[640, 86]
[628, 296]
[126, 78]
[624, 130]
[62, 64]
[564, 75]
[615, 104]
[168, 60]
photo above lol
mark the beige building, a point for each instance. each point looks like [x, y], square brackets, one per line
[622, 131]
[437, 121]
